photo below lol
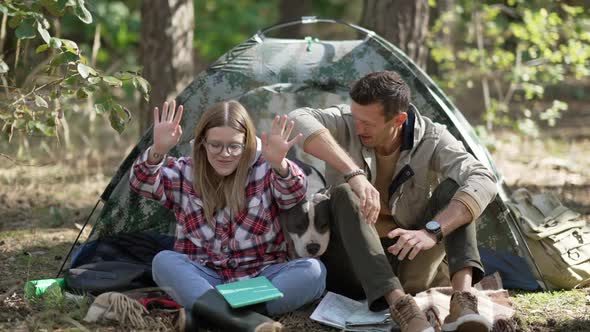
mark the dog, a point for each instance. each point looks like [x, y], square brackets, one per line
[307, 225]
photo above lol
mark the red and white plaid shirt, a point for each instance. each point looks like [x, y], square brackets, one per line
[236, 247]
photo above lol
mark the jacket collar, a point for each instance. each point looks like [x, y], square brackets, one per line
[408, 129]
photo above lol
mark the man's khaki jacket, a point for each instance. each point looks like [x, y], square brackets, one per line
[429, 154]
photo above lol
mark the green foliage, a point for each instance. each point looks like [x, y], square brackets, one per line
[221, 24]
[68, 78]
[120, 23]
[514, 53]
[35, 106]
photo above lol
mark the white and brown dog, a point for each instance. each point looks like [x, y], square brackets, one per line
[307, 225]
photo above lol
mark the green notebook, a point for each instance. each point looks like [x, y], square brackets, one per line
[249, 291]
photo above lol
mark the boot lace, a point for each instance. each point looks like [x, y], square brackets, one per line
[408, 310]
[467, 300]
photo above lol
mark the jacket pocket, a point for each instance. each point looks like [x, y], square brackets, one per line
[411, 202]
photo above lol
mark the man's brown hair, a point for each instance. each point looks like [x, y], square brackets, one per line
[385, 87]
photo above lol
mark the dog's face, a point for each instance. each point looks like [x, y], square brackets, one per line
[307, 225]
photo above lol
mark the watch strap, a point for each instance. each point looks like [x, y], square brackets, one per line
[437, 233]
[439, 236]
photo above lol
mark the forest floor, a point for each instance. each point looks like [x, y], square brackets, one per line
[43, 207]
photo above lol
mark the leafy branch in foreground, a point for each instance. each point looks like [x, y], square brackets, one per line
[64, 77]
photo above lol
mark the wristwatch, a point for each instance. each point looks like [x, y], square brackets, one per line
[433, 227]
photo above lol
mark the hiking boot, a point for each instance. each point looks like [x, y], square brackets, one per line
[433, 316]
[463, 315]
[408, 315]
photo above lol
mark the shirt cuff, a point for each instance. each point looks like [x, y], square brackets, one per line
[469, 202]
[145, 157]
[289, 171]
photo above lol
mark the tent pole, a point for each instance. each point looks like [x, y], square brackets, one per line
[76, 241]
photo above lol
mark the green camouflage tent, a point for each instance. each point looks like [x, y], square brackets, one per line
[274, 76]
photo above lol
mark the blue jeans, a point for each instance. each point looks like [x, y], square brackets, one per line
[301, 281]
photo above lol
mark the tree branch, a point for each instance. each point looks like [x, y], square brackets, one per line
[20, 163]
[95, 45]
[484, 80]
[3, 33]
[33, 73]
[512, 88]
[17, 55]
[35, 89]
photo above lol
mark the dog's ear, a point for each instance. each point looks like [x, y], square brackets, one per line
[321, 195]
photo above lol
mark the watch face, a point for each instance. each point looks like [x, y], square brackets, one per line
[432, 226]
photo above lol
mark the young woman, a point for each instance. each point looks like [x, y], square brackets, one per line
[226, 198]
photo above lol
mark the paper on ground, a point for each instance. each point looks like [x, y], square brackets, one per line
[364, 316]
[334, 310]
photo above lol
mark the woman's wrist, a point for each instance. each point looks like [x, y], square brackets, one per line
[159, 150]
[282, 169]
[155, 155]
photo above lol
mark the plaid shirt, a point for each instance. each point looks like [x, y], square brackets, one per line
[238, 246]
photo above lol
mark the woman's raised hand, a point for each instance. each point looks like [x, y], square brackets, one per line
[167, 130]
[277, 144]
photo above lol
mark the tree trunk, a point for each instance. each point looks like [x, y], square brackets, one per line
[290, 10]
[166, 51]
[402, 22]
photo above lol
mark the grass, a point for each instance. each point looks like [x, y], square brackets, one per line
[567, 310]
[54, 310]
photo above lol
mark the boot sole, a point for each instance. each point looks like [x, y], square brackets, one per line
[468, 323]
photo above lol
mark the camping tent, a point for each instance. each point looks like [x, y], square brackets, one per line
[274, 76]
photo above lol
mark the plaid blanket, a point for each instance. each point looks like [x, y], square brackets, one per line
[493, 302]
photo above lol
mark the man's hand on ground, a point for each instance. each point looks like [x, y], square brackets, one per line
[369, 201]
[411, 242]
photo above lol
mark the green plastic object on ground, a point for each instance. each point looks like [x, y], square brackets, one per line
[36, 288]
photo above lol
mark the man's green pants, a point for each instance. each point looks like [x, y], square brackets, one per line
[359, 265]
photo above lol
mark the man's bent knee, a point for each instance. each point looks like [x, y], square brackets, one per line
[344, 204]
[343, 193]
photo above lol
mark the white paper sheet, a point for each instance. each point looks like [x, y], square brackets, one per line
[334, 310]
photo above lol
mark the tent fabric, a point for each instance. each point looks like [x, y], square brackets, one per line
[273, 76]
[513, 269]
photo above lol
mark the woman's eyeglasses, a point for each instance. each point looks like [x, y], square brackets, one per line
[233, 149]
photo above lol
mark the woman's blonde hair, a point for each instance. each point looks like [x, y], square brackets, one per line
[219, 191]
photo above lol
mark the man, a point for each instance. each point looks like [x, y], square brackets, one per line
[406, 193]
